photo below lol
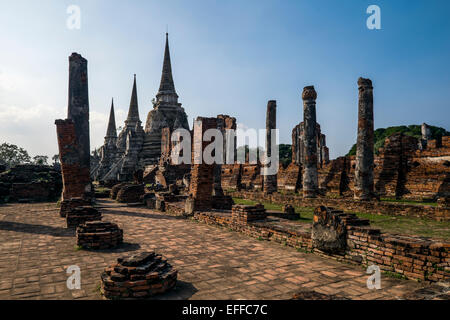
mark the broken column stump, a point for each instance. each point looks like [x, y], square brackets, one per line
[329, 230]
[138, 276]
[242, 214]
[130, 193]
[68, 205]
[115, 190]
[149, 200]
[80, 215]
[99, 235]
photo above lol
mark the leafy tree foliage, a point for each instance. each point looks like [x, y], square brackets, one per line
[285, 151]
[414, 130]
[41, 160]
[11, 155]
[55, 158]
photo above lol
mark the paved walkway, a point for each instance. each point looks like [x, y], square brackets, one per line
[213, 263]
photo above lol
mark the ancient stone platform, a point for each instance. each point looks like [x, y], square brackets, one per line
[36, 249]
[80, 215]
[138, 276]
[99, 235]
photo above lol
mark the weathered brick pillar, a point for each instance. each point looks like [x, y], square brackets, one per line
[310, 178]
[75, 176]
[202, 175]
[217, 172]
[270, 181]
[78, 106]
[73, 134]
[426, 135]
[364, 145]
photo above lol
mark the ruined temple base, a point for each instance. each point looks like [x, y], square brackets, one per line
[68, 205]
[80, 215]
[99, 235]
[130, 193]
[242, 214]
[139, 276]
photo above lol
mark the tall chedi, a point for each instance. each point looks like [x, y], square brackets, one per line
[167, 113]
[108, 152]
[131, 139]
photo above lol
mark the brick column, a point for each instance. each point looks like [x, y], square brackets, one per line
[73, 139]
[310, 178]
[364, 145]
[75, 176]
[201, 185]
[270, 181]
[78, 105]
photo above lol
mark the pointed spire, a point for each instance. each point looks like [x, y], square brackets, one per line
[111, 131]
[167, 86]
[133, 111]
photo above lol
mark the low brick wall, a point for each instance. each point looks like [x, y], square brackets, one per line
[373, 207]
[258, 229]
[413, 257]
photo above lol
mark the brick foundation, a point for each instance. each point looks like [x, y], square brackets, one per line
[80, 215]
[99, 235]
[137, 277]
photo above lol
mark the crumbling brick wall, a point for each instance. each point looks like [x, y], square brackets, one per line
[76, 176]
[290, 178]
[201, 174]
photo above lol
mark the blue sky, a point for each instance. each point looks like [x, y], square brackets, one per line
[228, 57]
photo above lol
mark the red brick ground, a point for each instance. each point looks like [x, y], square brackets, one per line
[213, 263]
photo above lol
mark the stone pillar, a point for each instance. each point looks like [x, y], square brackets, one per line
[426, 132]
[73, 135]
[217, 185]
[78, 104]
[75, 176]
[270, 181]
[426, 135]
[202, 175]
[310, 178]
[364, 145]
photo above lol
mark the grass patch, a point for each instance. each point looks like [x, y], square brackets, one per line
[78, 248]
[408, 225]
[391, 224]
[394, 275]
[102, 189]
[406, 201]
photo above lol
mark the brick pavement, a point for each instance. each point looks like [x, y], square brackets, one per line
[213, 263]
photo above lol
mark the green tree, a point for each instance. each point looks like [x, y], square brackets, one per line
[413, 130]
[285, 151]
[41, 160]
[11, 155]
[55, 159]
